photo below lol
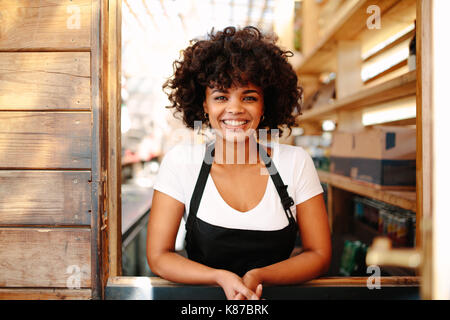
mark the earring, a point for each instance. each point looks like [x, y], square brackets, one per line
[205, 115]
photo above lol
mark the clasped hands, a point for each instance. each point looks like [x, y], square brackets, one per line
[249, 287]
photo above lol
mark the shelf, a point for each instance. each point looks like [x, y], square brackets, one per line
[402, 86]
[350, 24]
[402, 199]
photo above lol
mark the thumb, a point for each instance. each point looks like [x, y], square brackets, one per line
[259, 289]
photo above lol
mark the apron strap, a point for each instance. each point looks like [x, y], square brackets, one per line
[286, 200]
[200, 184]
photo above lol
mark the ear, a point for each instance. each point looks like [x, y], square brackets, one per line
[205, 107]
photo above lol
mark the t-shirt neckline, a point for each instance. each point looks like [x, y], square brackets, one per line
[221, 199]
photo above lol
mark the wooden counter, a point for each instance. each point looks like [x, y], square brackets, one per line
[155, 288]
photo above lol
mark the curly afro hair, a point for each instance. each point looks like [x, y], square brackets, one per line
[234, 57]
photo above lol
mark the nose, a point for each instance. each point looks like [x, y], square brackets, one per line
[234, 106]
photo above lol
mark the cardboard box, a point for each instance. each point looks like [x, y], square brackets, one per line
[381, 155]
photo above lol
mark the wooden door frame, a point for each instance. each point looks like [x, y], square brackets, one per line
[424, 142]
[111, 233]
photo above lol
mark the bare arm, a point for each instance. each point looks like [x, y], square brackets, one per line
[165, 217]
[316, 256]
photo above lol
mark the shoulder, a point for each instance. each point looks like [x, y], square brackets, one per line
[289, 153]
[185, 154]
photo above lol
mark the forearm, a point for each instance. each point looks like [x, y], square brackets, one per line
[303, 267]
[176, 268]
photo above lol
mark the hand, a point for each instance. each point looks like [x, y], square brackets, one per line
[252, 281]
[233, 285]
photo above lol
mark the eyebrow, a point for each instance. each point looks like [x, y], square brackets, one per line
[226, 91]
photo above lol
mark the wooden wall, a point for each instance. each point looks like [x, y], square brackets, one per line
[50, 164]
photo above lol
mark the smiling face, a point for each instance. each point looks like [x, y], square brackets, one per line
[234, 113]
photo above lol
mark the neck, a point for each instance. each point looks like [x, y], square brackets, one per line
[236, 153]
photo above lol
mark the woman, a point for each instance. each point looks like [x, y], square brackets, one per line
[244, 207]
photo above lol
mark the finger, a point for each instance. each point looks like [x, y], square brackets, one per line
[239, 296]
[259, 289]
[249, 294]
[229, 296]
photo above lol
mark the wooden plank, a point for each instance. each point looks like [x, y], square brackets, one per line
[399, 87]
[111, 95]
[44, 80]
[402, 199]
[45, 140]
[319, 282]
[99, 171]
[385, 46]
[45, 294]
[33, 257]
[45, 25]
[45, 197]
[424, 163]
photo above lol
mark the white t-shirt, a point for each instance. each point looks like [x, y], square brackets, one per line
[180, 168]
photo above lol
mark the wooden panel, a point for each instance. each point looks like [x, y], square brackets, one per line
[45, 197]
[45, 24]
[34, 257]
[45, 294]
[45, 140]
[44, 81]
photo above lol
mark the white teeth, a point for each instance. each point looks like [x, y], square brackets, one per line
[234, 122]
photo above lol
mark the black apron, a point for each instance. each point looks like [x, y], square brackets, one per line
[238, 250]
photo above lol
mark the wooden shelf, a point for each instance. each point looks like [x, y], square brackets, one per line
[350, 24]
[402, 86]
[402, 199]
